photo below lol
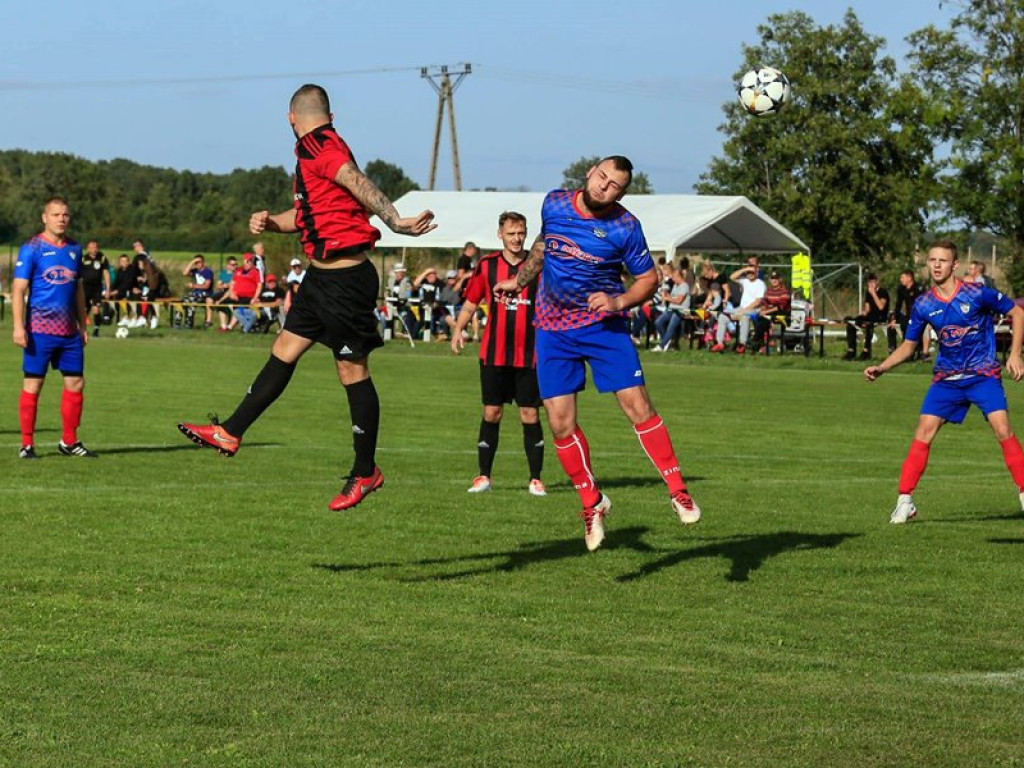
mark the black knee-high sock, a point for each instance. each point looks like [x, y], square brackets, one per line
[533, 442]
[268, 386]
[364, 407]
[487, 445]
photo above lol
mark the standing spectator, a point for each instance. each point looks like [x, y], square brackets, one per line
[200, 289]
[464, 269]
[246, 286]
[906, 294]
[259, 260]
[333, 203]
[429, 285]
[292, 282]
[451, 301]
[751, 290]
[507, 362]
[676, 306]
[976, 274]
[874, 312]
[967, 370]
[582, 319]
[95, 282]
[400, 295]
[53, 331]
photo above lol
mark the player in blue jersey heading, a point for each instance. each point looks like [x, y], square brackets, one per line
[582, 318]
[967, 370]
[52, 330]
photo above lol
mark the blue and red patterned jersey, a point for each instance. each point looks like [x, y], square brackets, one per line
[52, 272]
[583, 255]
[965, 327]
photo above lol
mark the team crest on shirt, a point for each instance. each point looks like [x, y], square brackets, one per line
[953, 335]
[965, 308]
[599, 232]
[59, 275]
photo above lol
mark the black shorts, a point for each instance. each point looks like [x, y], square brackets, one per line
[500, 384]
[335, 307]
[93, 294]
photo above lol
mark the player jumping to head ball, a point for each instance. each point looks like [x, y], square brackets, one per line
[967, 370]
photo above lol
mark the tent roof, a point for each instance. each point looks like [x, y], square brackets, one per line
[705, 223]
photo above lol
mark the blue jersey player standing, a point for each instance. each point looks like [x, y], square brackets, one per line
[51, 329]
[967, 370]
[582, 318]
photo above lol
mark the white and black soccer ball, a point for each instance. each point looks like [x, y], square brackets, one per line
[763, 91]
[121, 333]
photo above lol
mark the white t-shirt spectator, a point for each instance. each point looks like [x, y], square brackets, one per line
[752, 291]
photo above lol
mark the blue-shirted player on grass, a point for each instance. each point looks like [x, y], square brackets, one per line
[582, 318]
[52, 328]
[967, 370]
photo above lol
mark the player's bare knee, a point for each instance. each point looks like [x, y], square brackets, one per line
[493, 413]
[529, 415]
[74, 383]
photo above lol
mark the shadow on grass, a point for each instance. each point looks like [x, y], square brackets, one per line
[639, 481]
[1006, 541]
[970, 519]
[186, 446]
[37, 431]
[747, 553]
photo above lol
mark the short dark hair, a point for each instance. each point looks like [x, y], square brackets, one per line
[620, 163]
[872, 276]
[947, 244]
[310, 99]
[55, 199]
[511, 216]
[908, 272]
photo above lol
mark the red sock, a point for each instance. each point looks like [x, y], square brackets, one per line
[1014, 458]
[574, 453]
[71, 415]
[914, 466]
[27, 407]
[654, 438]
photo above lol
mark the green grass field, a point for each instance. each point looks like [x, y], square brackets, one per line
[165, 606]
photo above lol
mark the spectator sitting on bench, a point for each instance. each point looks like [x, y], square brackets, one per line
[676, 304]
[751, 288]
[874, 312]
[200, 287]
[267, 305]
[776, 304]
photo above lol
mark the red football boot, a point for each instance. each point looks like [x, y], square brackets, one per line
[356, 489]
[212, 436]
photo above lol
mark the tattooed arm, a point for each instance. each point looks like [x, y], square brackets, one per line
[366, 192]
[530, 267]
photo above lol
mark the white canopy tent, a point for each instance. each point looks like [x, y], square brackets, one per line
[704, 223]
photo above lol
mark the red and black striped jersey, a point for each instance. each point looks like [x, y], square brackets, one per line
[328, 216]
[509, 334]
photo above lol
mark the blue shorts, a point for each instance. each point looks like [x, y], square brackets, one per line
[606, 345]
[64, 353]
[950, 400]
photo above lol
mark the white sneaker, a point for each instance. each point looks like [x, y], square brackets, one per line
[480, 484]
[124, 322]
[154, 321]
[537, 488]
[140, 322]
[593, 522]
[657, 348]
[905, 510]
[685, 508]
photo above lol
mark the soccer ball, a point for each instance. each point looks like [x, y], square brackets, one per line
[121, 333]
[763, 91]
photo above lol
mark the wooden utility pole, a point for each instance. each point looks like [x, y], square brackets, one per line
[445, 89]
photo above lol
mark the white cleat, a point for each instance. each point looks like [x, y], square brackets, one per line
[480, 484]
[905, 510]
[685, 507]
[154, 321]
[537, 488]
[593, 522]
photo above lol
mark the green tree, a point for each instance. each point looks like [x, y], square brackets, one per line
[974, 74]
[390, 179]
[846, 166]
[575, 176]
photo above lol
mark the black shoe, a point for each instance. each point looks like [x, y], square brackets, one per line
[850, 356]
[95, 332]
[27, 452]
[864, 356]
[77, 449]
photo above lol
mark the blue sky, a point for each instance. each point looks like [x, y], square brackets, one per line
[552, 81]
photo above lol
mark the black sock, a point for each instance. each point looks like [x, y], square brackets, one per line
[533, 442]
[487, 445]
[364, 408]
[268, 386]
